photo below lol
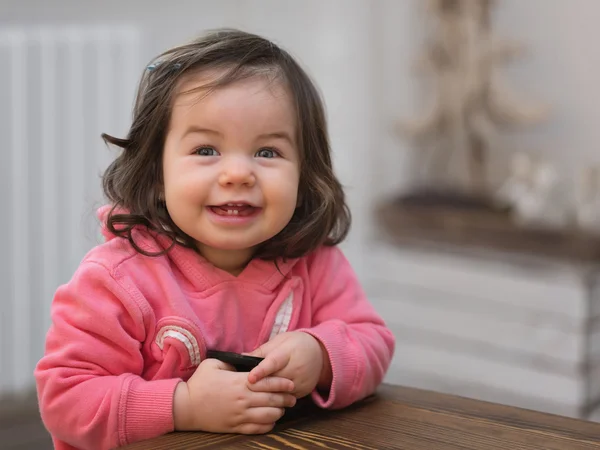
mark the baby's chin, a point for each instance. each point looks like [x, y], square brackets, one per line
[235, 243]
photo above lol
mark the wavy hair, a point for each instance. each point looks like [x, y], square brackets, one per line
[133, 182]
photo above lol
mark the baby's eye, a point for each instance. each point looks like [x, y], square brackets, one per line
[206, 151]
[267, 153]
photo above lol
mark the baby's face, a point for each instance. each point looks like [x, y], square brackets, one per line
[231, 164]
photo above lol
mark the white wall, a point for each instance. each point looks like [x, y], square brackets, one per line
[563, 68]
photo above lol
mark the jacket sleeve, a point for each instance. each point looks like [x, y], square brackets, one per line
[359, 345]
[90, 391]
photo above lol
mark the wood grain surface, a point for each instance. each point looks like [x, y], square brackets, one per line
[404, 418]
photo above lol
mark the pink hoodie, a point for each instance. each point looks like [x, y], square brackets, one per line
[127, 328]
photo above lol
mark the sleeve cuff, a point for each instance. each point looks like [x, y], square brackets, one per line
[147, 409]
[344, 366]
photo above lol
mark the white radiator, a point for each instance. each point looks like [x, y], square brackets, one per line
[60, 87]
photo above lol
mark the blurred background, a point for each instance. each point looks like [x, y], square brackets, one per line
[464, 131]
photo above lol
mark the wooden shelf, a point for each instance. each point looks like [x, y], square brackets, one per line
[473, 225]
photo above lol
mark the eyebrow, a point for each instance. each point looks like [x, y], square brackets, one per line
[195, 129]
[276, 135]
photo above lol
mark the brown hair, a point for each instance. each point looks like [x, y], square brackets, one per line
[133, 182]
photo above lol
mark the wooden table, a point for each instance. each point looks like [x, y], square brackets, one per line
[404, 418]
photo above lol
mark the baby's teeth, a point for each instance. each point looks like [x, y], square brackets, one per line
[234, 212]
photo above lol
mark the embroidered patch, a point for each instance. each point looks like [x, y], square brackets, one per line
[284, 316]
[183, 336]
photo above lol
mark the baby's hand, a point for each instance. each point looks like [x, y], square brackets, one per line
[217, 399]
[295, 355]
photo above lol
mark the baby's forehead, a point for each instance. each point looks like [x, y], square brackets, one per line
[202, 81]
[255, 104]
[208, 89]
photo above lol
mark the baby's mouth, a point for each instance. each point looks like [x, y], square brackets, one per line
[234, 209]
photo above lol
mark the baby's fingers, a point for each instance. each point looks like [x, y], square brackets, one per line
[272, 400]
[254, 428]
[273, 363]
[272, 384]
[264, 415]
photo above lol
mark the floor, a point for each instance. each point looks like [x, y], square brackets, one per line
[20, 425]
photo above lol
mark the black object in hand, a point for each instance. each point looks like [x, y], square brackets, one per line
[242, 363]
